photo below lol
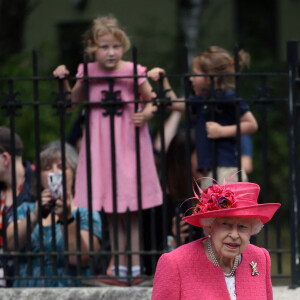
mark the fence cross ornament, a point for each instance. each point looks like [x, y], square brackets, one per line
[61, 101]
[10, 103]
[112, 101]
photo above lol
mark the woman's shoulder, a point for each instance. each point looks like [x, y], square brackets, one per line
[22, 210]
[189, 249]
[259, 252]
[83, 213]
[255, 248]
[81, 210]
[180, 257]
[26, 205]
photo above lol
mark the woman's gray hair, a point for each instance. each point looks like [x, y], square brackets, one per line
[52, 151]
[206, 223]
[256, 225]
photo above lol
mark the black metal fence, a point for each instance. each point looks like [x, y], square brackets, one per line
[281, 237]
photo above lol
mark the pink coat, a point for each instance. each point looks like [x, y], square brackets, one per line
[186, 273]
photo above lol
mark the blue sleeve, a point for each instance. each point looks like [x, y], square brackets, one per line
[84, 221]
[22, 211]
[246, 145]
[244, 107]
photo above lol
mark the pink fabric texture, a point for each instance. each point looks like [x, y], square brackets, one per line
[100, 147]
[187, 274]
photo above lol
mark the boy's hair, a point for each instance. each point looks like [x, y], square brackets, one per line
[216, 60]
[100, 27]
[6, 142]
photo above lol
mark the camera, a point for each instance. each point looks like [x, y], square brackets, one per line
[55, 188]
[55, 185]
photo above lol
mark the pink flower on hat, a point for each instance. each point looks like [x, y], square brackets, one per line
[215, 197]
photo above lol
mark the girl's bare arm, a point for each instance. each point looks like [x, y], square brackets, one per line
[76, 92]
[140, 118]
[155, 74]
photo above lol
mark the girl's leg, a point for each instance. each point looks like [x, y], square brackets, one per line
[121, 231]
[135, 245]
[122, 239]
[109, 270]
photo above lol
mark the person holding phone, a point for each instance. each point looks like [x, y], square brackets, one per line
[53, 202]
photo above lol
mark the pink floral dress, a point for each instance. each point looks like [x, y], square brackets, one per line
[100, 149]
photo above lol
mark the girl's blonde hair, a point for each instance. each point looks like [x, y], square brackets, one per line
[100, 27]
[216, 60]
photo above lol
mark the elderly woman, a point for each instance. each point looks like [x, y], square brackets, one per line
[222, 265]
[51, 162]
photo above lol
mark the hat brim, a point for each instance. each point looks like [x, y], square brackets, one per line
[264, 212]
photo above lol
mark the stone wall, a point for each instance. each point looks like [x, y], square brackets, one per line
[108, 293]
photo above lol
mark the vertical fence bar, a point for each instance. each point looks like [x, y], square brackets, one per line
[128, 244]
[62, 111]
[238, 108]
[265, 168]
[292, 58]
[28, 242]
[213, 105]
[4, 257]
[153, 238]
[37, 155]
[78, 243]
[12, 112]
[187, 120]
[138, 158]
[88, 164]
[187, 136]
[161, 110]
[112, 110]
[54, 248]
[278, 242]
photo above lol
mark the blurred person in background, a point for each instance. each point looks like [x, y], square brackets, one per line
[51, 162]
[23, 174]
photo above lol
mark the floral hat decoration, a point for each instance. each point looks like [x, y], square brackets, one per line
[237, 199]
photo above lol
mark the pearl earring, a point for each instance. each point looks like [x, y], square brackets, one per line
[209, 236]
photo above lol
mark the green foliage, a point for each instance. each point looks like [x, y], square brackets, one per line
[27, 116]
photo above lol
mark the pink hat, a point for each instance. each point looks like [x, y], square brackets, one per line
[238, 199]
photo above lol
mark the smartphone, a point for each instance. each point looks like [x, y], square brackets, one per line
[55, 185]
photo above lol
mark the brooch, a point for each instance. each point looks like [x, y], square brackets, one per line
[254, 271]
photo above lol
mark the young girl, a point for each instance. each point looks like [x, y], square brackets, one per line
[106, 43]
[222, 128]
